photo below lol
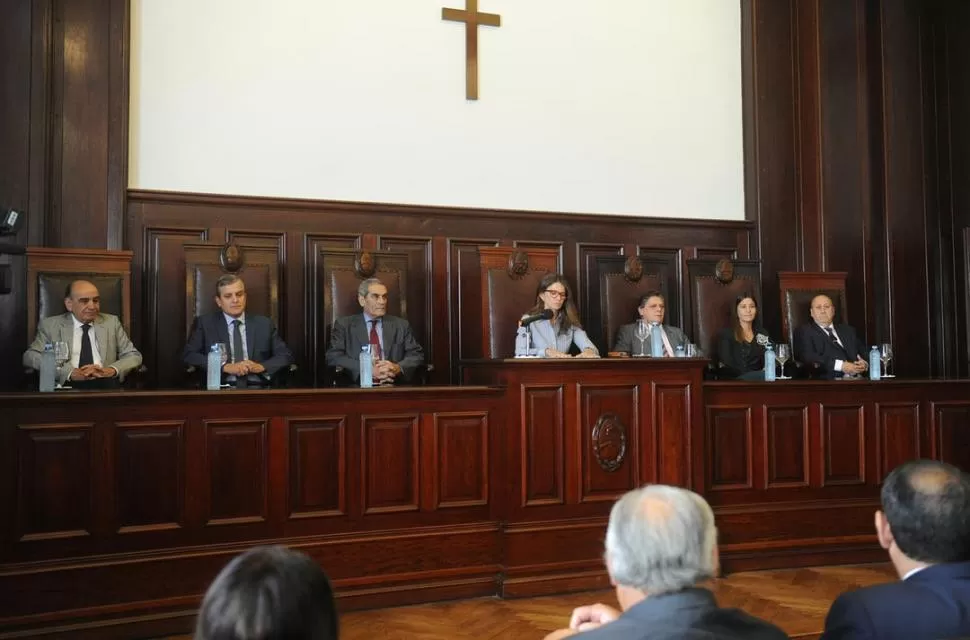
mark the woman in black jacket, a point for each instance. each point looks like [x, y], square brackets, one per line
[741, 347]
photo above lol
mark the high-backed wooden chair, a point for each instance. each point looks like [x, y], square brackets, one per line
[50, 271]
[509, 278]
[339, 273]
[712, 298]
[797, 290]
[257, 266]
[614, 293]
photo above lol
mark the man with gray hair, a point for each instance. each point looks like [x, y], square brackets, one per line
[661, 543]
[390, 338]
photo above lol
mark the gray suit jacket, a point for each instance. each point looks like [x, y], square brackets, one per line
[113, 344]
[350, 333]
[627, 342]
[691, 614]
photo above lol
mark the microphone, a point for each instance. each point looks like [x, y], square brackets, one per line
[544, 315]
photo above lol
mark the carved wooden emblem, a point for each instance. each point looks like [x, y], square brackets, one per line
[609, 442]
[231, 258]
[364, 264]
[633, 269]
[518, 264]
[724, 271]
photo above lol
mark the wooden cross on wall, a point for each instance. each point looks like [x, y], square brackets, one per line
[472, 18]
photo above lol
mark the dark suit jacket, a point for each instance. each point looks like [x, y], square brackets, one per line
[350, 333]
[263, 343]
[691, 614]
[931, 605]
[815, 349]
[735, 358]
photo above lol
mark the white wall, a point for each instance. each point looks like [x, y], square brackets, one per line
[595, 106]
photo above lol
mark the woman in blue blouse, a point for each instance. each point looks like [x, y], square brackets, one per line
[553, 338]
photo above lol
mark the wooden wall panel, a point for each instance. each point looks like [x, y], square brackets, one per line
[729, 448]
[610, 424]
[461, 460]
[672, 418]
[318, 466]
[898, 431]
[843, 435]
[786, 447]
[55, 492]
[238, 469]
[542, 443]
[149, 463]
[390, 466]
[951, 440]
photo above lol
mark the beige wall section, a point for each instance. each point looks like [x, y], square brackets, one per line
[618, 106]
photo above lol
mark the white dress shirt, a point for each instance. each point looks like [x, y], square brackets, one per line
[242, 330]
[76, 343]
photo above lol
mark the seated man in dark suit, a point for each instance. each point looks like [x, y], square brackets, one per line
[651, 309]
[925, 526]
[661, 543]
[829, 350]
[100, 354]
[255, 349]
[398, 353]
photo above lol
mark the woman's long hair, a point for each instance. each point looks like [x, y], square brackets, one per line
[568, 316]
[736, 322]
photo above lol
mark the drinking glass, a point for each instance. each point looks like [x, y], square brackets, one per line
[62, 353]
[223, 352]
[782, 357]
[691, 350]
[886, 354]
[642, 332]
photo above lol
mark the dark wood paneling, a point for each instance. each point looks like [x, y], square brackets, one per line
[237, 463]
[729, 448]
[951, 442]
[786, 447]
[898, 429]
[672, 420]
[843, 453]
[150, 475]
[55, 481]
[318, 466]
[461, 459]
[609, 466]
[543, 472]
[390, 464]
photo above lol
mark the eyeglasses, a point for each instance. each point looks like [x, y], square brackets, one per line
[561, 295]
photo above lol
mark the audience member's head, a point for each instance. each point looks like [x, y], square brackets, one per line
[231, 295]
[925, 513]
[269, 593]
[652, 307]
[372, 296]
[555, 294]
[660, 539]
[83, 300]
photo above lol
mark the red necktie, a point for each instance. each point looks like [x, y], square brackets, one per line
[375, 342]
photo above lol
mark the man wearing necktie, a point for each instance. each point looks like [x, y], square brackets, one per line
[398, 354]
[651, 309]
[100, 354]
[830, 350]
[256, 350]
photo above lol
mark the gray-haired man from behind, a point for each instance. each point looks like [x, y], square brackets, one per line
[661, 543]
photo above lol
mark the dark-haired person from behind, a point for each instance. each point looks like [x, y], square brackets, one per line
[554, 337]
[269, 593]
[741, 347]
[925, 526]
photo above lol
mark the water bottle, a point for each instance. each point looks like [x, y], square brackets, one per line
[769, 363]
[875, 364]
[522, 343]
[366, 367]
[679, 351]
[213, 369]
[48, 368]
[656, 342]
